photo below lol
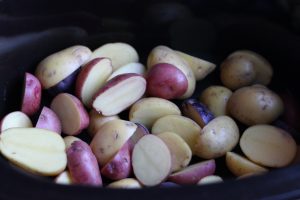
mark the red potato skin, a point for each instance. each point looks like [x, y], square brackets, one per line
[32, 95]
[85, 120]
[49, 120]
[166, 81]
[82, 76]
[141, 131]
[188, 177]
[83, 165]
[111, 83]
[119, 167]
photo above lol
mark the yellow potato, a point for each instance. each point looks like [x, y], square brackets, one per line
[255, 105]
[60, 65]
[210, 179]
[216, 98]
[147, 110]
[126, 183]
[39, 151]
[201, 68]
[218, 137]
[186, 128]
[120, 54]
[64, 178]
[240, 166]
[163, 54]
[180, 152]
[110, 138]
[268, 145]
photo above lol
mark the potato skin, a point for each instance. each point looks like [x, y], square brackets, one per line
[166, 81]
[255, 105]
[83, 165]
[218, 137]
[216, 98]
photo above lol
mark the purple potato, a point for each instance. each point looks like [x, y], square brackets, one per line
[197, 111]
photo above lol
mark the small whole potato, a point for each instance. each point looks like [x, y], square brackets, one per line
[215, 98]
[218, 137]
[166, 81]
[255, 105]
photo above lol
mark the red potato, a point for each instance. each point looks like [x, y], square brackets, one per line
[71, 113]
[193, 173]
[69, 140]
[119, 93]
[49, 120]
[133, 67]
[166, 81]
[141, 131]
[151, 160]
[64, 178]
[97, 121]
[83, 165]
[91, 78]
[32, 95]
[15, 119]
[119, 167]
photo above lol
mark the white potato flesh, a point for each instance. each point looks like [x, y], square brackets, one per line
[151, 160]
[147, 110]
[15, 119]
[39, 151]
[268, 145]
[163, 54]
[64, 178]
[240, 165]
[119, 53]
[180, 151]
[137, 68]
[210, 179]
[126, 183]
[185, 127]
[110, 138]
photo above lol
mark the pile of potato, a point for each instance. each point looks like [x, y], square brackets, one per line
[154, 145]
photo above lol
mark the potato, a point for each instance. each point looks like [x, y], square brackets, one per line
[133, 67]
[268, 145]
[216, 98]
[126, 183]
[71, 113]
[60, 65]
[119, 167]
[186, 128]
[15, 119]
[151, 160]
[32, 95]
[91, 78]
[218, 137]
[193, 173]
[49, 120]
[255, 105]
[166, 81]
[38, 151]
[110, 138]
[237, 72]
[140, 132]
[197, 111]
[147, 110]
[262, 67]
[210, 179]
[97, 120]
[69, 140]
[119, 93]
[83, 165]
[240, 165]
[243, 68]
[180, 152]
[119, 53]
[163, 54]
[64, 178]
[201, 68]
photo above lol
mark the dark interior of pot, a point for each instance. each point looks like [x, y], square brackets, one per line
[31, 30]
